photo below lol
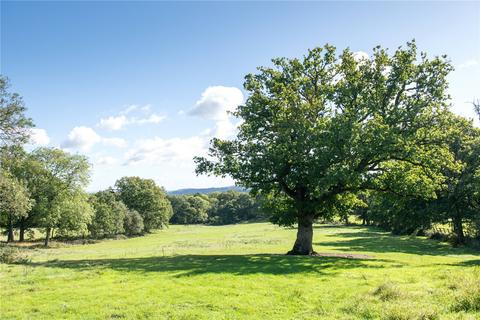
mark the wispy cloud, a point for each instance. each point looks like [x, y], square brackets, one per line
[158, 150]
[39, 137]
[143, 115]
[469, 63]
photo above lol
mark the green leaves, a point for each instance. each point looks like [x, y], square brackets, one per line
[148, 199]
[318, 128]
[14, 125]
[14, 199]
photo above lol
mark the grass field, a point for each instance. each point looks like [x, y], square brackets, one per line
[240, 272]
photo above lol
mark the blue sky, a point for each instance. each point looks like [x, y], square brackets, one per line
[140, 87]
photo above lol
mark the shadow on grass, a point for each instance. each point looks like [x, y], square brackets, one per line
[188, 265]
[376, 241]
[468, 263]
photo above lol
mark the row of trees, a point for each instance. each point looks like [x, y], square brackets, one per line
[455, 199]
[329, 133]
[215, 208]
[45, 189]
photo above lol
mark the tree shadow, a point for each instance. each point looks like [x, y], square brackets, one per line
[376, 241]
[467, 263]
[188, 265]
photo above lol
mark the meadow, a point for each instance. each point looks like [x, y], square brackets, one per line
[240, 272]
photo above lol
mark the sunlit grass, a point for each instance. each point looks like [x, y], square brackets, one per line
[241, 272]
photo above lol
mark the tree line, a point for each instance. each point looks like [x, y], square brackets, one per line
[216, 208]
[44, 189]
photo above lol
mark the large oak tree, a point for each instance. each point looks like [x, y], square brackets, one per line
[317, 130]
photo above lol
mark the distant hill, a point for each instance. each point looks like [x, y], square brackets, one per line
[204, 190]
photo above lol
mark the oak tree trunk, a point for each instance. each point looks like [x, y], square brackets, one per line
[22, 233]
[10, 237]
[303, 244]
[458, 229]
[47, 237]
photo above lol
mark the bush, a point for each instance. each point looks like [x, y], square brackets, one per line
[133, 223]
[109, 214]
[12, 255]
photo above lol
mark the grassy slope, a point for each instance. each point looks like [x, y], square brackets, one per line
[239, 272]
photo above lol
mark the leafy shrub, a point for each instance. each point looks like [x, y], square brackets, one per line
[133, 223]
[109, 214]
[12, 255]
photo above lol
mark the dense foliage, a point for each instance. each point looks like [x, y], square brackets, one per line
[456, 200]
[148, 199]
[322, 128]
[110, 214]
[14, 125]
[189, 209]
[215, 208]
[14, 202]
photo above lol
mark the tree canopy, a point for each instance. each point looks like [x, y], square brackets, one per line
[148, 199]
[14, 125]
[14, 202]
[319, 128]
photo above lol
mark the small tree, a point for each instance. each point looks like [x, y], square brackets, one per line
[14, 202]
[109, 214]
[58, 179]
[323, 126]
[133, 223]
[148, 199]
[74, 214]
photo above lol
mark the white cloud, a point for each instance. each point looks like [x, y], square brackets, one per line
[176, 150]
[116, 142]
[129, 109]
[114, 123]
[153, 118]
[39, 137]
[107, 161]
[359, 56]
[216, 102]
[469, 63]
[146, 108]
[82, 138]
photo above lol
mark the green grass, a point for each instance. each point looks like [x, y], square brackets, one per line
[240, 272]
